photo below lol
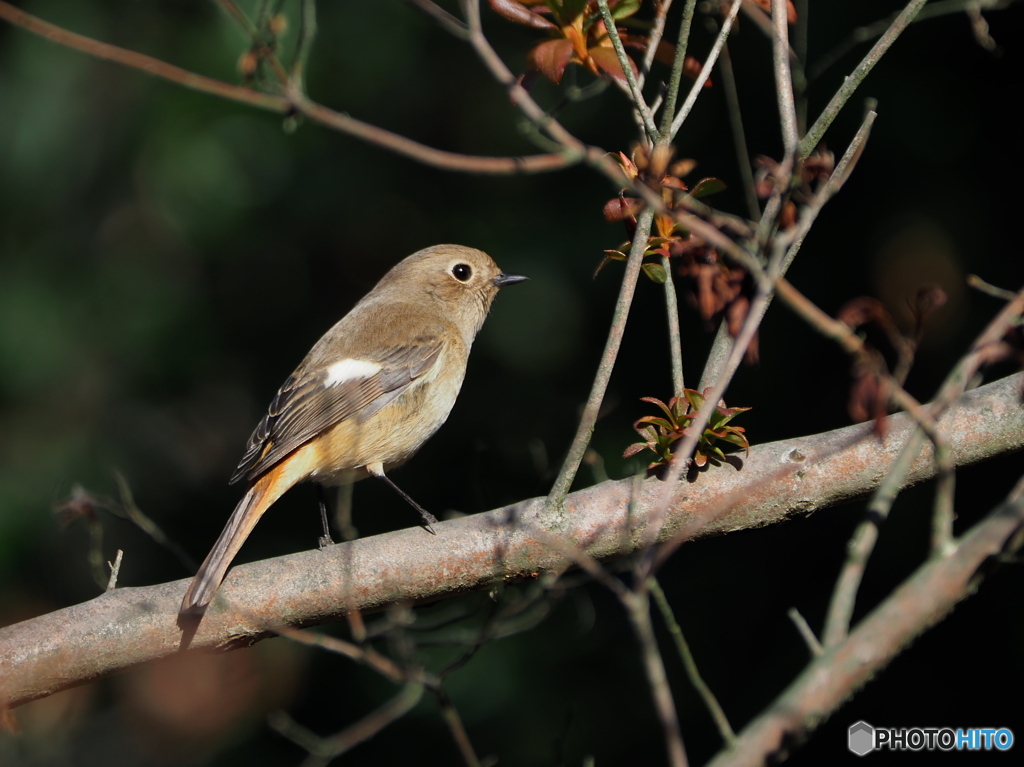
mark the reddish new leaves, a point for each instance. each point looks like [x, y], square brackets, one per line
[581, 37]
[717, 289]
[660, 433]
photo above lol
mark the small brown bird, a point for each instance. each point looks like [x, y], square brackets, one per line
[369, 393]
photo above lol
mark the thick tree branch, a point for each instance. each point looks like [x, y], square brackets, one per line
[779, 480]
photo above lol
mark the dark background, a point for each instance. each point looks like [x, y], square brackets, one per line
[167, 258]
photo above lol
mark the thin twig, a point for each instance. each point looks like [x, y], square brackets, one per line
[520, 97]
[638, 608]
[149, 527]
[683, 647]
[323, 750]
[307, 34]
[627, 71]
[114, 570]
[784, 81]
[739, 138]
[275, 103]
[452, 24]
[367, 656]
[798, 40]
[855, 78]
[675, 339]
[789, 243]
[456, 727]
[943, 514]
[705, 71]
[140, 61]
[259, 39]
[437, 158]
[686, 446]
[571, 465]
[678, 64]
[246, 26]
[653, 41]
[855, 346]
[805, 632]
[977, 283]
[871, 31]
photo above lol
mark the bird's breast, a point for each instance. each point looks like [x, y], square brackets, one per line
[392, 435]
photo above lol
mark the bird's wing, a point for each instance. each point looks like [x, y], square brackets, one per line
[313, 400]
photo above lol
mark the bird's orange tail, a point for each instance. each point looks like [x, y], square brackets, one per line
[243, 519]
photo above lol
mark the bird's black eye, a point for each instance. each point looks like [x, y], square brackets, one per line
[462, 272]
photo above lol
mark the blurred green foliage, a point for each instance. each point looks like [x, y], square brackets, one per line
[166, 259]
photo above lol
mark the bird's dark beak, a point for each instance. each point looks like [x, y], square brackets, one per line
[508, 279]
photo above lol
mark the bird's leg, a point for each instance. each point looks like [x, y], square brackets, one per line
[325, 539]
[428, 519]
[377, 470]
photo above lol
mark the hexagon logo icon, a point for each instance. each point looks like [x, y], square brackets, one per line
[860, 738]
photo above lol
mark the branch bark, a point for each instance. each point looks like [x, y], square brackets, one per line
[778, 481]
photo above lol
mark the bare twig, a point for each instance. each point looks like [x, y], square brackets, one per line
[114, 570]
[799, 61]
[661, 8]
[149, 527]
[282, 105]
[805, 632]
[732, 103]
[855, 346]
[784, 82]
[520, 97]
[437, 158]
[637, 605]
[452, 24]
[457, 728]
[678, 64]
[307, 34]
[705, 71]
[931, 11]
[237, 15]
[323, 750]
[855, 78]
[627, 70]
[638, 608]
[675, 338]
[140, 61]
[571, 465]
[683, 647]
[996, 292]
[685, 447]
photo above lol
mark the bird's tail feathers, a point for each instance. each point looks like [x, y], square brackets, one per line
[243, 519]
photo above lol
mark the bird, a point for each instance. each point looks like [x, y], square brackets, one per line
[366, 397]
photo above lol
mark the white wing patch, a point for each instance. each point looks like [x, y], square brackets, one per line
[349, 369]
